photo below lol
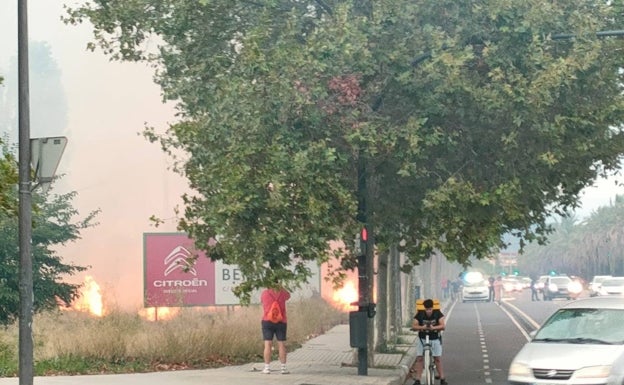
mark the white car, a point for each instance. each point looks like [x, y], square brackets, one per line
[612, 286]
[476, 291]
[581, 343]
[560, 286]
[594, 285]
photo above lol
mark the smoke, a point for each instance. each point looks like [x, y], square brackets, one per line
[106, 161]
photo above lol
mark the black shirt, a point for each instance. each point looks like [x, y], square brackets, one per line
[421, 317]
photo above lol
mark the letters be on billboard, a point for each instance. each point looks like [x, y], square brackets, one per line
[170, 278]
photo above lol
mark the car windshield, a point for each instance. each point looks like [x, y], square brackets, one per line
[476, 284]
[583, 326]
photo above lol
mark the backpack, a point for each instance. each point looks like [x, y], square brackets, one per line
[275, 313]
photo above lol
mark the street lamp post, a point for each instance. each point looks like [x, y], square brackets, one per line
[26, 366]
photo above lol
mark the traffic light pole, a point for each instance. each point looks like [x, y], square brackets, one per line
[362, 270]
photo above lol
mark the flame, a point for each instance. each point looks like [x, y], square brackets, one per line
[90, 298]
[158, 313]
[345, 296]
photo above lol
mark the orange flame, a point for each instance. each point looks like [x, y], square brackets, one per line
[344, 297]
[158, 313]
[90, 298]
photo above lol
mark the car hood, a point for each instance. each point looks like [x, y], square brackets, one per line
[550, 355]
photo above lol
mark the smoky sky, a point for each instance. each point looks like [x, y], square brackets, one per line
[102, 108]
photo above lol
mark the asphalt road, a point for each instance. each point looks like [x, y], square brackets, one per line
[481, 338]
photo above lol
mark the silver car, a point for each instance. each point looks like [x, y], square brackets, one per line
[581, 343]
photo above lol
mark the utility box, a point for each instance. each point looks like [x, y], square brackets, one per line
[357, 329]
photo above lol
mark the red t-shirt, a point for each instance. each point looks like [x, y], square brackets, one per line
[268, 296]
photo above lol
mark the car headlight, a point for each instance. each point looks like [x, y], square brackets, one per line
[602, 371]
[520, 370]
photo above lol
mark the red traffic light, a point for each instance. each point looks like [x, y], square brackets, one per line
[364, 234]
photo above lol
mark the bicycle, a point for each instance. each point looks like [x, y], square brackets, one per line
[428, 361]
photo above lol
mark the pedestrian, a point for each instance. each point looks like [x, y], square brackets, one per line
[491, 287]
[445, 288]
[534, 289]
[456, 288]
[498, 289]
[271, 329]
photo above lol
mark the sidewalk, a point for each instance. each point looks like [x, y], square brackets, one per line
[325, 360]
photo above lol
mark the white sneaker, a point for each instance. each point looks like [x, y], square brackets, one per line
[285, 371]
[266, 371]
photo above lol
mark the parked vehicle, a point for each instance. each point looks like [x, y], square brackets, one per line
[561, 286]
[612, 286]
[512, 284]
[594, 285]
[581, 343]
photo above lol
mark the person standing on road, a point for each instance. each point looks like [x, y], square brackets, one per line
[498, 289]
[534, 296]
[491, 287]
[274, 329]
[456, 289]
[431, 320]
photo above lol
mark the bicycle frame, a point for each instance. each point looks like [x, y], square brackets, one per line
[428, 361]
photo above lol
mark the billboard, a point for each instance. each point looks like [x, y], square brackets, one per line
[171, 280]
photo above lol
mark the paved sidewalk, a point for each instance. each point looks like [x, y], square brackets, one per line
[325, 360]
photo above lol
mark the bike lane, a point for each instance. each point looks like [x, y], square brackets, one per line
[479, 343]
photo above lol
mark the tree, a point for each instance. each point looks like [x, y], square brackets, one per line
[588, 247]
[54, 224]
[466, 120]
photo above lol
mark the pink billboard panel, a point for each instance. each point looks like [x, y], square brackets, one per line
[170, 278]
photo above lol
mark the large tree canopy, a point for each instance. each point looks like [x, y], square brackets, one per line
[466, 120]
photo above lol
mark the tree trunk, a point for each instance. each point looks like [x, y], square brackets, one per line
[382, 303]
[394, 296]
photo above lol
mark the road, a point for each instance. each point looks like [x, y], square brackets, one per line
[481, 338]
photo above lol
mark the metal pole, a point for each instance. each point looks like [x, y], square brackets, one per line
[26, 366]
[363, 294]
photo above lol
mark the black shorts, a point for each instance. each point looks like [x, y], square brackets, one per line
[270, 329]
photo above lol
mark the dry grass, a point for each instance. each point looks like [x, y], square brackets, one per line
[73, 342]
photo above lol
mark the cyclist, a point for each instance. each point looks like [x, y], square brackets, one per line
[435, 323]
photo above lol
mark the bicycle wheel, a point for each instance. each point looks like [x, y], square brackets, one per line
[428, 366]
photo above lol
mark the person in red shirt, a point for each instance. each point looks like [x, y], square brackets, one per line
[271, 330]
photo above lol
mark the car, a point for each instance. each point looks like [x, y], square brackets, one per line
[594, 285]
[541, 281]
[512, 284]
[526, 282]
[561, 286]
[581, 343]
[612, 286]
[476, 291]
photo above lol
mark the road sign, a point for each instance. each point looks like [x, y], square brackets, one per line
[45, 155]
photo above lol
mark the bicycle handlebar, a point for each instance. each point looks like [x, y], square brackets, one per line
[428, 324]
